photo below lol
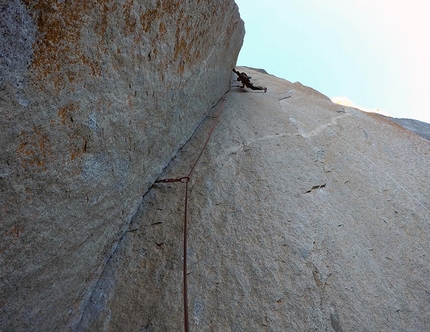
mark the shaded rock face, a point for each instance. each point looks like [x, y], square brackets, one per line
[96, 97]
[303, 215]
[416, 126]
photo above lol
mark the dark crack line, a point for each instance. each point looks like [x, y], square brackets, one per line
[316, 187]
[86, 305]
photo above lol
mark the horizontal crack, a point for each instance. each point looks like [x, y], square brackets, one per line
[316, 187]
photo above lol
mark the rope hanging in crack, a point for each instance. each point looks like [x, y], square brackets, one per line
[186, 180]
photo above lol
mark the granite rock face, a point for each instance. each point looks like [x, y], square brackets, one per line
[418, 127]
[303, 215]
[96, 97]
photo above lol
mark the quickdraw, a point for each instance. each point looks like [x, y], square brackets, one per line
[186, 180]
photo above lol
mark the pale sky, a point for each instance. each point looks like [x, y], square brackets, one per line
[374, 52]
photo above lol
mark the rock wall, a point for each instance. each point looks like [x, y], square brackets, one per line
[96, 97]
[303, 215]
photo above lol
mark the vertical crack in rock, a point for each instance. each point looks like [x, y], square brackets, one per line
[250, 234]
[116, 88]
[98, 295]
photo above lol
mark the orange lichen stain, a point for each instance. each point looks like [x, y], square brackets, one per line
[162, 29]
[59, 27]
[148, 17]
[103, 104]
[187, 48]
[190, 45]
[16, 230]
[66, 114]
[181, 68]
[163, 8]
[130, 21]
[78, 151]
[76, 143]
[169, 7]
[155, 52]
[105, 10]
[130, 99]
[58, 82]
[180, 48]
[71, 76]
[231, 28]
[35, 148]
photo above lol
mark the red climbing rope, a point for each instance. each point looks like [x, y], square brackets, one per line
[184, 268]
[186, 180]
[209, 135]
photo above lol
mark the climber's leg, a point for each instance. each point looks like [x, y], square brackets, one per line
[252, 87]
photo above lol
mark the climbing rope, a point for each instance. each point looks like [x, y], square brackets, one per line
[186, 180]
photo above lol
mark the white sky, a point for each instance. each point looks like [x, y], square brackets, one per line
[375, 52]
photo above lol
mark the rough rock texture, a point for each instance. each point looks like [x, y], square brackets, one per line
[96, 97]
[304, 216]
[418, 127]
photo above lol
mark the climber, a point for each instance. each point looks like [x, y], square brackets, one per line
[245, 79]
